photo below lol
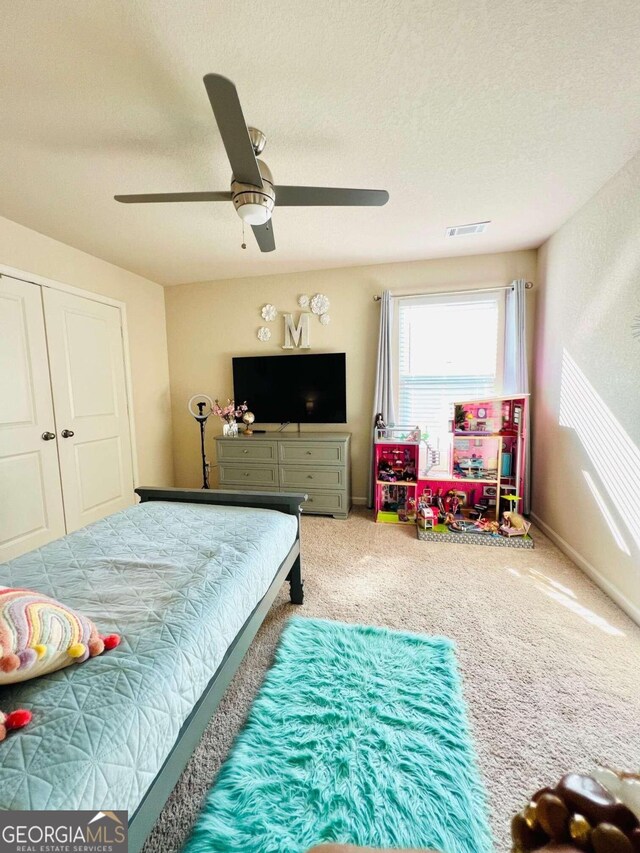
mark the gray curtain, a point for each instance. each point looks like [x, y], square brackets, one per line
[516, 370]
[384, 398]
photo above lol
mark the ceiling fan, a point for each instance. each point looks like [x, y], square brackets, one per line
[253, 192]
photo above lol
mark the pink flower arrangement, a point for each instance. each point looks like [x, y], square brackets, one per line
[229, 412]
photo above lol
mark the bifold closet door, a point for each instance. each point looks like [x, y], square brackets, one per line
[89, 391]
[30, 495]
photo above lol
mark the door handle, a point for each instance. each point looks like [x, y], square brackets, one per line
[67, 433]
[48, 436]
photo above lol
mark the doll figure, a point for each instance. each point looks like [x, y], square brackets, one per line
[385, 471]
[513, 524]
[411, 509]
[409, 472]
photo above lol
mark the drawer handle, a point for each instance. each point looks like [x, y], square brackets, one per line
[309, 500]
[308, 453]
[309, 476]
[246, 473]
[245, 450]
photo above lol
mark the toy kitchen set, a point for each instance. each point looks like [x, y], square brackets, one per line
[482, 490]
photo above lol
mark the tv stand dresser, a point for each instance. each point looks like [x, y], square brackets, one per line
[318, 463]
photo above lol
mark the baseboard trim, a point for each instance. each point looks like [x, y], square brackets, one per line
[606, 586]
[359, 501]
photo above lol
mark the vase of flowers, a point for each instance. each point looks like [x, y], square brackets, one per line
[228, 415]
[230, 429]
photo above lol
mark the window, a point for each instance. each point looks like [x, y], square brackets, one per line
[449, 348]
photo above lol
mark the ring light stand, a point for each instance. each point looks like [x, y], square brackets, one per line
[202, 418]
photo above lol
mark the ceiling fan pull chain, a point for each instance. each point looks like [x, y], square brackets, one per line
[243, 244]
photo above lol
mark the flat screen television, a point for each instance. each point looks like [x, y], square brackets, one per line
[293, 388]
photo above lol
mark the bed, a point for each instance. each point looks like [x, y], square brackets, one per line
[186, 577]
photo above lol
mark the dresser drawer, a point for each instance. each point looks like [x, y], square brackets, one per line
[246, 450]
[262, 476]
[328, 502]
[316, 453]
[322, 477]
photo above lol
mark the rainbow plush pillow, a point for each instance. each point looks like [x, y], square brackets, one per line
[39, 635]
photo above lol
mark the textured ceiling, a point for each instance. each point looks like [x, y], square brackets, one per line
[515, 111]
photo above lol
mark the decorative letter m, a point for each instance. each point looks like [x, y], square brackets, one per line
[299, 333]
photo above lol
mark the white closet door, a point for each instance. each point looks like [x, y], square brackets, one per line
[30, 496]
[89, 391]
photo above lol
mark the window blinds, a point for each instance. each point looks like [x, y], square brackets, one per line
[449, 348]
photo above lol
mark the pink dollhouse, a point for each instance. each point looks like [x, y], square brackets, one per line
[396, 461]
[487, 461]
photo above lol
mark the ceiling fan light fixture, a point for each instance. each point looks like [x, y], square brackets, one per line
[253, 213]
[254, 205]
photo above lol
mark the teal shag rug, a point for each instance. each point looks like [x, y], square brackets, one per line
[358, 735]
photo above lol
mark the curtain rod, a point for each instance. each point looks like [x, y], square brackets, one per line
[528, 285]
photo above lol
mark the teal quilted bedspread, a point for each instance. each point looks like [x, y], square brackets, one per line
[177, 581]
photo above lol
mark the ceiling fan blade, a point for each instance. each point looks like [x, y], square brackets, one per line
[264, 236]
[303, 196]
[233, 129]
[146, 198]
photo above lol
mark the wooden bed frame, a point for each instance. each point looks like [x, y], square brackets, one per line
[142, 821]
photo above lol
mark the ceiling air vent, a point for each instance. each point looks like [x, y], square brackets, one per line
[464, 230]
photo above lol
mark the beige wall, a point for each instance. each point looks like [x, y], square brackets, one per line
[210, 322]
[34, 253]
[586, 417]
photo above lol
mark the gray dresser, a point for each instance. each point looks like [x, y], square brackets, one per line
[317, 463]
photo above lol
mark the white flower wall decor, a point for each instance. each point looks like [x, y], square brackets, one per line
[319, 303]
[296, 329]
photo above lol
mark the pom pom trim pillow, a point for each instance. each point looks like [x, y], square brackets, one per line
[39, 635]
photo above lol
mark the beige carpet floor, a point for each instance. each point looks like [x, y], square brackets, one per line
[550, 665]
